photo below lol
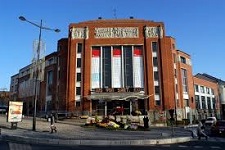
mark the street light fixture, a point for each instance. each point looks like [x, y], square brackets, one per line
[40, 26]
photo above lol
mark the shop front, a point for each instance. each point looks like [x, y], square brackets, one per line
[104, 104]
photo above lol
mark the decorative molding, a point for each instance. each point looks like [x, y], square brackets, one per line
[153, 32]
[117, 32]
[79, 33]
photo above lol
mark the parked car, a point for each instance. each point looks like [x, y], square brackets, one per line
[218, 128]
[210, 120]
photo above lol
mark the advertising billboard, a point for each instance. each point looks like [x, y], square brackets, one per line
[15, 111]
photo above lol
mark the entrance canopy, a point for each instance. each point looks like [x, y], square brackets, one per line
[117, 96]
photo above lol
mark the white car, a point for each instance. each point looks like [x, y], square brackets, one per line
[210, 121]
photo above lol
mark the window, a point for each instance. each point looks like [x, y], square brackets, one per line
[128, 66]
[197, 103]
[202, 89]
[50, 61]
[154, 46]
[49, 82]
[207, 90]
[78, 90]
[77, 104]
[208, 103]
[183, 59]
[203, 102]
[157, 90]
[157, 102]
[78, 62]
[155, 61]
[79, 48]
[186, 102]
[212, 91]
[156, 75]
[184, 80]
[106, 65]
[78, 77]
[196, 88]
[50, 77]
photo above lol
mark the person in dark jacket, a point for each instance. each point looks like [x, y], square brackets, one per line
[200, 131]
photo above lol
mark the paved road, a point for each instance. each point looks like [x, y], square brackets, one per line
[194, 145]
[70, 132]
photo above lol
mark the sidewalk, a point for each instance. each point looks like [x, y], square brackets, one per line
[70, 132]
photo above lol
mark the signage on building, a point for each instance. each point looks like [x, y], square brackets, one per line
[117, 32]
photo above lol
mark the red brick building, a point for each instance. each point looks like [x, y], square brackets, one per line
[118, 66]
[207, 97]
[127, 63]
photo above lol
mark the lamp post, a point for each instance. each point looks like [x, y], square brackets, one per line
[41, 27]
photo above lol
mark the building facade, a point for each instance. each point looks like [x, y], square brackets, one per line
[129, 64]
[117, 67]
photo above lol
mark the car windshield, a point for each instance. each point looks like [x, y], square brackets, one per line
[210, 119]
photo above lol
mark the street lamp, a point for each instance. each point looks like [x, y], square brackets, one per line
[37, 68]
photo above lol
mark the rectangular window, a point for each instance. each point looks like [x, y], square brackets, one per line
[50, 77]
[77, 104]
[157, 102]
[203, 102]
[78, 77]
[202, 89]
[197, 103]
[155, 61]
[49, 82]
[157, 90]
[183, 59]
[212, 91]
[78, 90]
[78, 62]
[186, 102]
[156, 75]
[128, 66]
[106, 66]
[209, 103]
[79, 47]
[184, 80]
[196, 88]
[154, 46]
[207, 90]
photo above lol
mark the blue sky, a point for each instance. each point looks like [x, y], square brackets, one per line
[197, 25]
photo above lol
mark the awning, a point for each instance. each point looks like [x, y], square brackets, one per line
[117, 96]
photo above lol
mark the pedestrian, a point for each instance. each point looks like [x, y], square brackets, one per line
[200, 131]
[52, 125]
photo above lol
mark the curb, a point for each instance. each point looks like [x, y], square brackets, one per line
[171, 140]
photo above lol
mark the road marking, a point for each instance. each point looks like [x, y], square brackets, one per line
[198, 146]
[215, 147]
[16, 146]
[182, 146]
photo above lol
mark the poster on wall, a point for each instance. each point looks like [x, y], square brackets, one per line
[15, 111]
[138, 67]
[116, 68]
[95, 68]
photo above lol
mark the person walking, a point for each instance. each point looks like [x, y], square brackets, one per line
[200, 131]
[52, 125]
